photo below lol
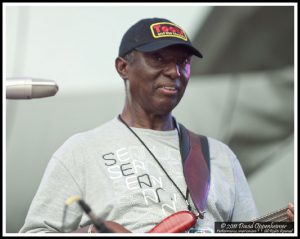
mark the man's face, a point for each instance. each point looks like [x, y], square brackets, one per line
[157, 80]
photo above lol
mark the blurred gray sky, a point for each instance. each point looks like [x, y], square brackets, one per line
[82, 40]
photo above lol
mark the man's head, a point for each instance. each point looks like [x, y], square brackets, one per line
[154, 61]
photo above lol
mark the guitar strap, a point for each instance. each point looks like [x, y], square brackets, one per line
[196, 166]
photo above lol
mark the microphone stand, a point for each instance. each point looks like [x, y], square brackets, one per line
[99, 223]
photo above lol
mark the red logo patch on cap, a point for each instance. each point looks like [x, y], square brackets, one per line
[167, 29]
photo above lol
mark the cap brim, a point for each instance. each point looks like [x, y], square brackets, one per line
[154, 46]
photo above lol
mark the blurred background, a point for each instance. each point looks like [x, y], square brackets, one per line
[241, 92]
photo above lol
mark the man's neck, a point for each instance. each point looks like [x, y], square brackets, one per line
[148, 121]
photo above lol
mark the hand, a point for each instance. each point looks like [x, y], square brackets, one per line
[290, 212]
[116, 227]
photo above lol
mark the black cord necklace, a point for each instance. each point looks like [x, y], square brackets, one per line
[187, 191]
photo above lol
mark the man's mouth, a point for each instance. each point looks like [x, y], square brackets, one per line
[168, 90]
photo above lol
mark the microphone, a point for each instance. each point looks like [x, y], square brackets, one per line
[28, 88]
[99, 224]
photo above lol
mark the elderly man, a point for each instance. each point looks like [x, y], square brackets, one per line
[130, 170]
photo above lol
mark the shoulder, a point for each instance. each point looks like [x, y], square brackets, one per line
[224, 159]
[79, 143]
[218, 149]
[221, 154]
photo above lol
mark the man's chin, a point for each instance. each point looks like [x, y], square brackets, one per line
[166, 108]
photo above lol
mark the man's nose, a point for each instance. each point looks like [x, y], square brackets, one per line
[172, 70]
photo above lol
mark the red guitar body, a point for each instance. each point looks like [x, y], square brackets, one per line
[175, 223]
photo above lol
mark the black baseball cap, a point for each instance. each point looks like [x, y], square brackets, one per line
[152, 34]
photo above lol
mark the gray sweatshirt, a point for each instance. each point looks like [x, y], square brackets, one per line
[112, 171]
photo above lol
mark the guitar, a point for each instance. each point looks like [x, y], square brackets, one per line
[178, 222]
[277, 216]
[182, 221]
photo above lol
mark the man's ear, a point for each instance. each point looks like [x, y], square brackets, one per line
[121, 67]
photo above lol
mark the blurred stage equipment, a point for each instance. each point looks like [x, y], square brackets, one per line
[28, 88]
